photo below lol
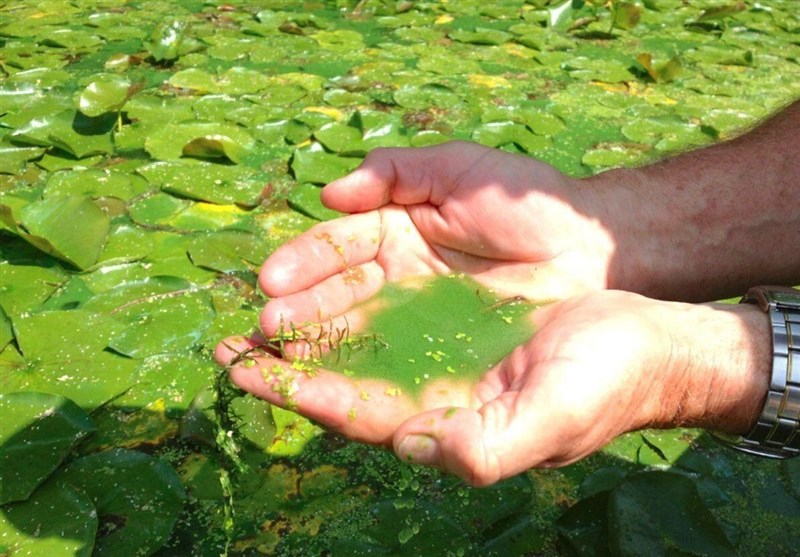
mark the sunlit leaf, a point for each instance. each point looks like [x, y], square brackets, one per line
[166, 40]
[106, 93]
[625, 15]
[199, 140]
[36, 433]
[58, 520]
[316, 166]
[305, 198]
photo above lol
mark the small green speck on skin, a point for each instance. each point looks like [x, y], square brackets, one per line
[351, 415]
[348, 372]
[249, 363]
[364, 395]
[450, 369]
[393, 391]
[450, 412]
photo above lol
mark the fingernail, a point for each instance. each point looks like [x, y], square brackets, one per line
[419, 449]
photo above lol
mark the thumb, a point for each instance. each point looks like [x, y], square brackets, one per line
[480, 446]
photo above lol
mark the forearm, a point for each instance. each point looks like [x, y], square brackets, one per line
[706, 224]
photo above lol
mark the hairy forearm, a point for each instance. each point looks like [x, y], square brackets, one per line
[707, 224]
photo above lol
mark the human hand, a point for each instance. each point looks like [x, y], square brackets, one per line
[512, 223]
[599, 365]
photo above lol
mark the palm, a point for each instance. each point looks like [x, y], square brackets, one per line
[506, 220]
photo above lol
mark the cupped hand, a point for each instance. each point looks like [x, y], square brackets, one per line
[599, 365]
[512, 223]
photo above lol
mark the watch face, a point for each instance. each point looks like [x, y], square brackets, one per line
[786, 298]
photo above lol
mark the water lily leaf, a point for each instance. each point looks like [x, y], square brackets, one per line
[6, 330]
[314, 165]
[663, 72]
[428, 137]
[205, 140]
[58, 160]
[36, 432]
[235, 81]
[65, 354]
[229, 251]
[597, 69]
[341, 138]
[561, 16]
[204, 181]
[58, 520]
[625, 15]
[666, 133]
[164, 323]
[166, 40]
[499, 134]
[106, 93]
[340, 40]
[13, 159]
[612, 155]
[25, 287]
[425, 96]
[538, 121]
[70, 131]
[723, 11]
[305, 199]
[583, 528]
[138, 499]
[643, 522]
[96, 183]
[72, 39]
[480, 36]
[447, 63]
[72, 228]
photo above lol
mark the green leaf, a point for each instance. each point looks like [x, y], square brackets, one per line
[205, 181]
[204, 140]
[58, 521]
[426, 96]
[480, 36]
[229, 251]
[305, 199]
[642, 521]
[166, 40]
[316, 166]
[138, 499]
[72, 228]
[625, 15]
[499, 134]
[36, 433]
[106, 93]
[562, 15]
[70, 131]
[13, 159]
[6, 330]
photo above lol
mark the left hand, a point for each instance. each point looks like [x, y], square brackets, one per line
[598, 366]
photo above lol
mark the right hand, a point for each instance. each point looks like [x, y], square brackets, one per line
[512, 223]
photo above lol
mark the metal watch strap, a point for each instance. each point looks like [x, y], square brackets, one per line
[776, 434]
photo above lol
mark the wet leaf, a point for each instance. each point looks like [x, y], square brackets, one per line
[480, 36]
[68, 131]
[106, 93]
[425, 96]
[71, 228]
[138, 499]
[305, 199]
[36, 433]
[626, 15]
[166, 40]
[13, 159]
[229, 251]
[499, 134]
[199, 140]
[642, 521]
[316, 166]
[205, 181]
[58, 520]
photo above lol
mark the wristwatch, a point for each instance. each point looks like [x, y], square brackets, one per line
[776, 434]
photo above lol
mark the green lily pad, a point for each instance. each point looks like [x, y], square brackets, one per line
[162, 323]
[229, 251]
[70, 132]
[65, 354]
[106, 93]
[13, 159]
[643, 522]
[480, 36]
[341, 138]
[598, 69]
[205, 181]
[212, 140]
[6, 330]
[615, 155]
[25, 287]
[166, 42]
[499, 134]
[426, 96]
[305, 199]
[340, 40]
[58, 520]
[626, 15]
[37, 431]
[71, 228]
[235, 81]
[96, 183]
[314, 165]
[138, 499]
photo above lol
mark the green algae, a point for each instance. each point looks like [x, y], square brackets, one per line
[450, 327]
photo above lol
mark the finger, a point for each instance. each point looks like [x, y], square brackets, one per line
[322, 251]
[323, 301]
[368, 411]
[406, 176]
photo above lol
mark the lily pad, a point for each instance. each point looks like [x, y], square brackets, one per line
[13, 159]
[36, 432]
[426, 96]
[71, 228]
[229, 251]
[212, 140]
[305, 199]
[106, 93]
[70, 132]
[58, 520]
[138, 499]
[316, 166]
[205, 181]
[499, 134]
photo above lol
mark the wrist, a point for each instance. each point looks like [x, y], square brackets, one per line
[722, 356]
